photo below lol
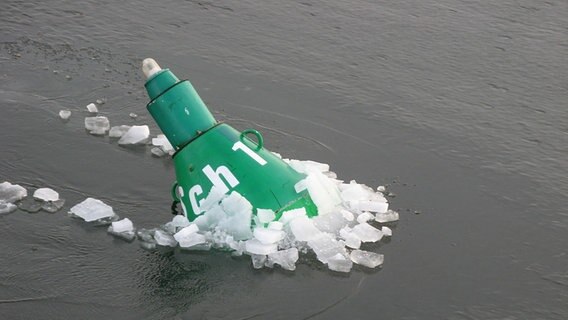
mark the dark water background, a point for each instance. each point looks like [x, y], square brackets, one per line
[459, 106]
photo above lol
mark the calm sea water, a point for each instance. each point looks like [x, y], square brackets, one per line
[458, 106]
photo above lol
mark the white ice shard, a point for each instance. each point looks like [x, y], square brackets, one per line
[339, 263]
[163, 143]
[46, 194]
[254, 246]
[53, 206]
[303, 229]
[365, 216]
[286, 259]
[366, 258]
[258, 260]
[368, 205]
[120, 226]
[64, 114]
[351, 240]
[92, 108]
[308, 166]
[388, 216]
[158, 152]
[11, 193]
[265, 215]
[189, 236]
[164, 239]
[237, 222]
[331, 222]
[268, 236]
[92, 209]
[275, 225]
[118, 131]
[367, 233]
[322, 190]
[290, 215]
[7, 207]
[387, 232]
[325, 246]
[135, 135]
[97, 125]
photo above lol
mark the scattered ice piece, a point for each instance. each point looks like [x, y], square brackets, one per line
[92, 209]
[290, 215]
[238, 212]
[387, 232]
[149, 246]
[339, 263]
[284, 258]
[366, 258]
[98, 125]
[92, 108]
[331, 222]
[388, 216]
[133, 115]
[254, 246]
[356, 192]
[303, 229]
[135, 135]
[53, 206]
[258, 260]
[146, 235]
[351, 240]
[64, 114]
[348, 215]
[365, 216]
[163, 143]
[121, 226]
[213, 198]
[265, 215]
[368, 205]
[381, 189]
[164, 239]
[6, 207]
[367, 233]
[126, 235]
[30, 205]
[180, 221]
[101, 101]
[308, 166]
[118, 131]
[275, 225]
[325, 246]
[12, 192]
[268, 236]
[188, 236]
[323, 192]
[46, 194]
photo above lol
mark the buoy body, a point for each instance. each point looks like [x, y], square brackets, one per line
[214, 156]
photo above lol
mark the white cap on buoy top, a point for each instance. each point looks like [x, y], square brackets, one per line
[150, 67]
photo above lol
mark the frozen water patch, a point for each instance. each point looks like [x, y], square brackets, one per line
[46, 194]
[135, 135]
[123, 229]
[64, 114]
[10, 193]
[97, 125]
[92, 108]
[92, 210]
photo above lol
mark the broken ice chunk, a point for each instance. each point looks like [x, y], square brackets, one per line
[325, 246]
[97, 125]
[164, 239]
[254, 246]
[53, 206]
[365, 216]
[238, 216]
[135, 135]
[268, 236]
[290, 215]
[120, 226]
[12, 192]
[30, 205]
[286, 259]
[366, 258]
[303, 229]
[275, 225]
[46, 194]
[64, 114]
[381, 189]
[388, 216]
[368, 205]
[92, 209]
[158, 152]
[6, 207]
[330, 222]
[133, 115]
[118, 131]
[387, 232]
[351, 240]
[308, 166]
[367, 233]
[265, 215]
[188, 237]
[339, 263]
[258, 260]
[163, 143]
[92, 108]
[323, 192]
[348, 215]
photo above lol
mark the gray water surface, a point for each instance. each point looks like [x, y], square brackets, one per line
[460, 107]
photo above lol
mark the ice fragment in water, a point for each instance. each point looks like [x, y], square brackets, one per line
[135, 135]
[46, 194]
[12, 192]
[158, 152]
[268, 236]
[381, 189]
[303, 229]
[92, 210]
[101, 101]
[325, 246]
[92, 108]
[6, 207]
[339, 263]
[64, 114]
[388, 216]
[387, 232]
[308, 166]
[146, 235]
[178, 222]
[254, 246]
[330, 222]
[97, 125]
[163, 143]
[30, 205]
[365, 216]
[265, 215]
[188, 236]
[366, 258]
[118, 131]
[368, 205]
[286, 259]
[351, 240]
[120, 226]
[367, 233]
[133, 115]
[53, 206]
[258, 260]
[164, 239]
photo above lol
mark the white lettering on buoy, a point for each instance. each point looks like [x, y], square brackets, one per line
[193, 193]
[241, 146]
[215, 177]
